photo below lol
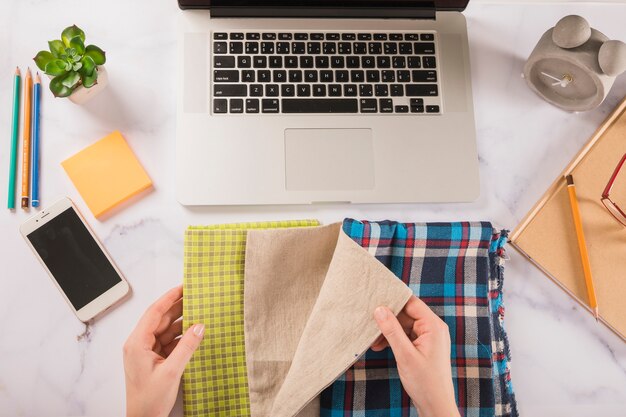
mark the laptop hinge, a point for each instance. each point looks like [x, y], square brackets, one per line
[364, 9]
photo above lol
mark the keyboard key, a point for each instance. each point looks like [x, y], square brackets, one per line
[269, 36]
[298, 48]
[329, 48]
[403, 76]
[252, 47]
[310, 76]
[283, 48]
[349, 90]
[353, 62]
[357, 76]
[322, 62]
[285, 36]
[369, 105]
[220, 47]
[319, 90]
[252, 105]
[259, 61]
[424, 48]
[359, 48]
[380, 36]
[313, 48]
[390, 48]
[270, 105]
[348, 37]
[264, 76]
[236, 105]
[271, 90]
[326, 105]
[220, 105]
[244, 61]
[338, 61]
[368, 62]
[366, 90]
[317, 36]
[406, 48]
[381, 90]
[332, 36]
[224, 62]
[375, 48]
[417, 105]
[398, 62]
[345, 48]
[397, 90]
[236, 36]
[432, 109]
[383, 62]
[389, 76]
[424, 76]
[288, 90]
[253, 36]
[372, 76]
[276, 62]
[422, 90]
[427, 37]
[417, 109]
[304, 90]
[411, 37]
[247, 76]
[386, 105]
[326, 76]
[220, 35]
[301, 36]
[230, 90]
[279, 76]
[291, 62]
[267, 48]
[256, 90]
[342, 76]
[334, 90]
[365, 36]
[414, 62]
[395, 37]
[429, 62]
[236, 47]
[295, 76]
[306, 61]
[402, 109]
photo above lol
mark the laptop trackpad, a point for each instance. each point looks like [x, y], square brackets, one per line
[329, 159]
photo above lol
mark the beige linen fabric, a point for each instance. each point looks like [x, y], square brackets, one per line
[309, 300]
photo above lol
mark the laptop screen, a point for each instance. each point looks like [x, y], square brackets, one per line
[324, 8]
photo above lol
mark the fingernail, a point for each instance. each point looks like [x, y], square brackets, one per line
[198, 329]
[380, 313]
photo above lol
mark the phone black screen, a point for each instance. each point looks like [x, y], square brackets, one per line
[74, 258]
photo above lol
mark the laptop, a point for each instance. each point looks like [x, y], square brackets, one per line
[323, 101]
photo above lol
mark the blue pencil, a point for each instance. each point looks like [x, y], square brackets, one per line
[35, 141]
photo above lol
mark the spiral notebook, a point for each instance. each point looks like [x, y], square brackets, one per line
[547, 237]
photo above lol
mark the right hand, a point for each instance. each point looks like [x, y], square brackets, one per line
[421, 345]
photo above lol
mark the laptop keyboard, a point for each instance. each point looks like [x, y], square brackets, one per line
[345, 73]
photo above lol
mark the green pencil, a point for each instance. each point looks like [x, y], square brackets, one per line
[14, 138]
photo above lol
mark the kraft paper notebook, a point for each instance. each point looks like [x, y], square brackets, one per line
[548, 238]
[106, 173]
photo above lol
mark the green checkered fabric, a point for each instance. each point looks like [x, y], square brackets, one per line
[215, 382]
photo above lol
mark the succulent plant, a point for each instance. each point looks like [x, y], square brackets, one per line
[70, 63]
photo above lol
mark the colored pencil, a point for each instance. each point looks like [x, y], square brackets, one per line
[14, 138]
[582, 245]
[35, 139]
[28, 91]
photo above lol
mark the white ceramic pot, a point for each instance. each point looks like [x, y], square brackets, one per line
[82, 95]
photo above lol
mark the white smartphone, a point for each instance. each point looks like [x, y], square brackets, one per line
[77, 263]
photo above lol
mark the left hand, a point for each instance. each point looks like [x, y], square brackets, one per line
[155, 357]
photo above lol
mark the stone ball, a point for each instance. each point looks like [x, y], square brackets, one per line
[571, 32]
[612, 57]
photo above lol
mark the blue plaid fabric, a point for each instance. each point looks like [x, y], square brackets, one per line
[449, 266]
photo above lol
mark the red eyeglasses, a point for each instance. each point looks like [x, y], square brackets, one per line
[610, 205]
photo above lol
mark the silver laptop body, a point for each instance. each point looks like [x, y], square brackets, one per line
[379, 149]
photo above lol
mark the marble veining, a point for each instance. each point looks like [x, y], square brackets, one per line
[564, 364]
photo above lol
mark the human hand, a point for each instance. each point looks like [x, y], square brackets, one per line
[155, 356]
[421, 345]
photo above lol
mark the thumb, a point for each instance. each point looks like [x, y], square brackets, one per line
[394, 333]
[187, 345]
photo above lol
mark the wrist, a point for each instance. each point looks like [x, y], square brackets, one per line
[437, 408]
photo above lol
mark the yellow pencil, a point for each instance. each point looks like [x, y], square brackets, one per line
[582, 245]
[28, 91]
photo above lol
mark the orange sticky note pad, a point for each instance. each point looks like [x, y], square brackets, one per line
[106, 173]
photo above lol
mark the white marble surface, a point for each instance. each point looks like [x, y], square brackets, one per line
[563, 363]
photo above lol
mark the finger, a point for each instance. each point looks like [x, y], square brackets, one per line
[173, 314]
[168, 349]
[171, 333]
[417, 309]
[379, 344]
[394, 333]
[185, 348]
[144, 332]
